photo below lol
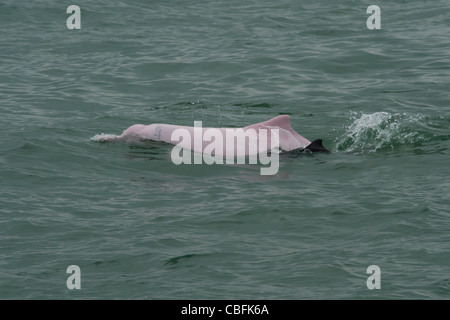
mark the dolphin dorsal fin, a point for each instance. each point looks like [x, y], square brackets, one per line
[282, 121]
[289, 139]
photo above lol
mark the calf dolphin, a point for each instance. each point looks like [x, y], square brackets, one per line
[288, 140]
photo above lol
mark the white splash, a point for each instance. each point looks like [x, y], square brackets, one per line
[104, 137]
[379, 130]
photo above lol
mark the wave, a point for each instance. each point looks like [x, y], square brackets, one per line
[383, 131]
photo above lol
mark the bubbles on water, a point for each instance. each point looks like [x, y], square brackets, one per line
[382, 130]
[104, 137]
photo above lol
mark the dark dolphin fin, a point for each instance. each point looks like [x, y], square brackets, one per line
[316, 146]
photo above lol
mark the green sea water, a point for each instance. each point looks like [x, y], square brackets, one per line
[140, 227]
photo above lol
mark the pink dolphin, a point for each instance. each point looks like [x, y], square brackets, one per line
[287, 139]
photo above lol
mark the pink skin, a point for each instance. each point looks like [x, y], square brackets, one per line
[288, 138]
